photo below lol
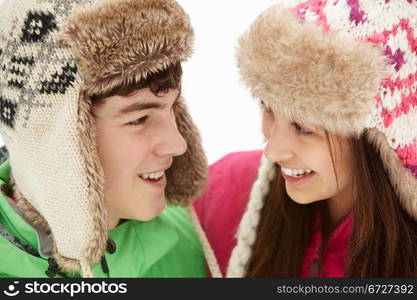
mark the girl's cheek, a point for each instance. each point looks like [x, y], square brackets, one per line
[319, 159]
[266, 126]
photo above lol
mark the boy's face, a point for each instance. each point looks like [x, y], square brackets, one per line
[137, 138]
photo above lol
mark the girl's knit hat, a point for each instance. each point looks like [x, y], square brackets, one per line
[54, 55]
[349, 66]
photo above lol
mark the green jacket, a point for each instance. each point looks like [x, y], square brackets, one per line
[164, 247]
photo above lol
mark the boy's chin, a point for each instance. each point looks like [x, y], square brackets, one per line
[151, 213]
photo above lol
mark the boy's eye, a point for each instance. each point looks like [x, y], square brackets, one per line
[138, 122]
[302, 130]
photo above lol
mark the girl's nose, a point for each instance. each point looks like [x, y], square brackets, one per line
[279, 145]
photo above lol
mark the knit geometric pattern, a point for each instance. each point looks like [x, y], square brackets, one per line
[392, 26]
[39, 91]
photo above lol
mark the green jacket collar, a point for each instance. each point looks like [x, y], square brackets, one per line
[139, 245]
[10, 219]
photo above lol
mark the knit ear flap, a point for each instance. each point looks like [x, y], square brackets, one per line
[246, 234]
[188, 175]
[402, 178]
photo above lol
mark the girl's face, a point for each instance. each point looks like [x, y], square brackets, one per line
[303, 153]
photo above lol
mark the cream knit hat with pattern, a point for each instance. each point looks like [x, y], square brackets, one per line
[55, 54]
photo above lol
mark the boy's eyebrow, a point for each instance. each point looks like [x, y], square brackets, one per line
[139, 107]
[143, 106]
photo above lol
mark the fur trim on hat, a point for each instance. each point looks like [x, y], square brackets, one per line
[125, 40]
[307, 75]
[95, 177]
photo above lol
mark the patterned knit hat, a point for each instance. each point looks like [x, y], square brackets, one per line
[54, 54]
[349, 66]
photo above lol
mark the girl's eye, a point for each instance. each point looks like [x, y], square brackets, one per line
[302, 130]
[138, 122]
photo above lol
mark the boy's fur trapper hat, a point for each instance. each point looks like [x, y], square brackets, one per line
[347, 66]
[54, 55]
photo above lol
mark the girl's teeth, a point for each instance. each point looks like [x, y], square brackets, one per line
[153, 176]
[296, 172]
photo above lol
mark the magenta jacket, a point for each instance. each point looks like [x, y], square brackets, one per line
[223, 204]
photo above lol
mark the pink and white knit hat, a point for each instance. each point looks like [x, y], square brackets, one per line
[349, 66]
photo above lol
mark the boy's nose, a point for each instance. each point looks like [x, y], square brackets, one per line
[172, 142]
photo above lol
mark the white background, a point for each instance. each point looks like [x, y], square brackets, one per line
[228, 119]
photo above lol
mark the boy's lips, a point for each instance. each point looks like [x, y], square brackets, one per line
[158, 183]
[162, 169]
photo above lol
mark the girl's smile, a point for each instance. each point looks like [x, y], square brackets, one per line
[298, 176]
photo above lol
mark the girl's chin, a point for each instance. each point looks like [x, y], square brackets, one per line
[301, 199]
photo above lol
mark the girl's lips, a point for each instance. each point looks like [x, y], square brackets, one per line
[299, 180]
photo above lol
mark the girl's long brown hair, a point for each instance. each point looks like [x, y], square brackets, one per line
[384, 237]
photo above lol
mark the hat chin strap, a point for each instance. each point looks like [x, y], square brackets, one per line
[85, 269]
[208, 250]
[246, 234]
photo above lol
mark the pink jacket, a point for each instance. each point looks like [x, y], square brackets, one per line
[223, 204]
